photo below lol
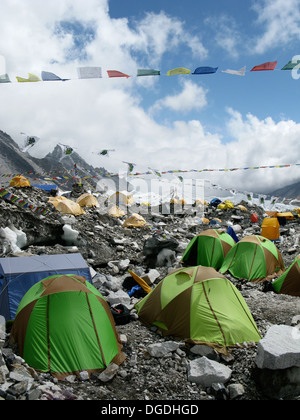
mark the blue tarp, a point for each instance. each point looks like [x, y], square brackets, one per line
[19, 274]
[232, 233]
[46, 187]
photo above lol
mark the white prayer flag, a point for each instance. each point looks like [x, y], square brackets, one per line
[89, 72]
[240, 72]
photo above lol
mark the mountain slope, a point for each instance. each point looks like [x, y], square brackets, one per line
[289, 191]
[13, 160]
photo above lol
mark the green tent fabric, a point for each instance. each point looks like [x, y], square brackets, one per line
[253, 258]
[63, 326]
[289, 282]
[209, 248]
[199, 305]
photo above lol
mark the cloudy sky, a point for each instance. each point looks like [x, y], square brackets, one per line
[180, 122]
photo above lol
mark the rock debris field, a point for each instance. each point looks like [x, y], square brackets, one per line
[156, 368]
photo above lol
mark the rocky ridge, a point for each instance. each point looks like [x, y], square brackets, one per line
[155, 368]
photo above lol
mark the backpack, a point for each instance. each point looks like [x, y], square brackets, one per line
[121, 314]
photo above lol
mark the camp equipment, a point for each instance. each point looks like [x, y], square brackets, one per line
[253, 258]
[141, 282]
[19, 274]
[63, 326]
[270, 228]
[199, 305]
[19, 181]
[209, 248]
[254, 218]
[289, 282]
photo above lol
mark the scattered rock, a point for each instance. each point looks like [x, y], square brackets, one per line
[280, 348]
[155, 368]
[206, 372]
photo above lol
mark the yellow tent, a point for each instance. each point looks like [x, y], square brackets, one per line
[87, 200]
[272, 213]
[217, 219]
[270, 228]
[115, 211]
[177, 201]
[204, 220]
[286, 215]
[241, 207]
[19, 181]
[227, 204]
[145, 204]
[124, 198]
[68, 207]
[135, 220]
[57, 199]
[200, 203]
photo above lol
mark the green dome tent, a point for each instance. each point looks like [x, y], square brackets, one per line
[209, 248]
[253, 258]
[289, 282]
[63, 325]
[199, 305]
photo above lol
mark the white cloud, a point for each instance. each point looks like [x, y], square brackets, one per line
[159, 33]
[192, 97]
[262, 143]
[107, 114]
[227, 34]
[280, 20]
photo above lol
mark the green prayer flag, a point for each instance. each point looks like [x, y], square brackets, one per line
[148, 72]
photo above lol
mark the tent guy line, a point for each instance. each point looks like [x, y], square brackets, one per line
[96, 72]
[151, 172]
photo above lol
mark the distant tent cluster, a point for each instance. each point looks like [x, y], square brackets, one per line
[96, 72]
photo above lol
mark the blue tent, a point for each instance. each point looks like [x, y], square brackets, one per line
[215, 202]
[19, 274]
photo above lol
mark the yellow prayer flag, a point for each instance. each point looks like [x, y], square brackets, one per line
[31, 78]
[179, 70]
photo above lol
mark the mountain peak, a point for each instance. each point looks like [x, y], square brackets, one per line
[14, 161]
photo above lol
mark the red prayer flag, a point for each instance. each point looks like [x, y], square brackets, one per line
[115, 73]
[270, 65]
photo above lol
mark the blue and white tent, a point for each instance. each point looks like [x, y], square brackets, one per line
[19, 274]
